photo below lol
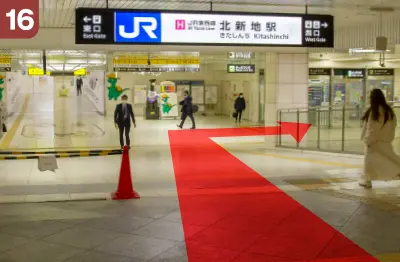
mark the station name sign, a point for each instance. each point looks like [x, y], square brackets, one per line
[146, 27]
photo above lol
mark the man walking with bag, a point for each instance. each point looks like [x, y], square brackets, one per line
[187, 110]
[240, 106]
[122, 118]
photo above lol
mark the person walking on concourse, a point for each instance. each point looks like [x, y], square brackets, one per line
[122, 118]
[240, 106]
[79, 83]
[378, 133]
[187, 110]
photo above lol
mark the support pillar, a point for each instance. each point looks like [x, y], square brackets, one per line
[286, 86]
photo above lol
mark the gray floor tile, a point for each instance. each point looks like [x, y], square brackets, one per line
[174, 216]
[136, 246]
[82, 237]
[335, 219]
[175, 254]
[162, 229]
[38, 251]
[117, 224]
[139, 211]
[93, 256]
[9, 241]
[34, 229]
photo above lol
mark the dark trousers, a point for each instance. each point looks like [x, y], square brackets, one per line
[79, 89]
[183, 118]
[239, 115]
[125, 126]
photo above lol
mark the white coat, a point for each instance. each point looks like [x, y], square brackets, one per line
[380, 161]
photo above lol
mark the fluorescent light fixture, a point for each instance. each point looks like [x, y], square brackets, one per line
[364, 51]
[100, 62]
[347, 59]
[77, 61]
[31, 61]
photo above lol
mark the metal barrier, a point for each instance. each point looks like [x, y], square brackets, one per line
[334, 129]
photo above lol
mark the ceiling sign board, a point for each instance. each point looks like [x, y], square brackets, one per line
[149, 27]
[241, 55]
[241, 69]
[319, 71]
[156, 69]
[349, 73]
[80, 72]
[381, 72]
[33, 71]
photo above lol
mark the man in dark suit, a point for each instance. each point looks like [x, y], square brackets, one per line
[187, 110]
[79, 83]
[240, 106]
[122, 117]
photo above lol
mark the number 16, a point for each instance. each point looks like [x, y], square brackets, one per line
[23, 15]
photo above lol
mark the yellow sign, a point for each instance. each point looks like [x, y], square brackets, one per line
[131, 60]
[175, 61]
[33, 71]
[80, 72]
[161, 60]
[5, 60]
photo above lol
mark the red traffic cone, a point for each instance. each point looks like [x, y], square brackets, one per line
[125, 187]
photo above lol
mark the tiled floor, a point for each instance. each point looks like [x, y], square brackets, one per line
[150, 229]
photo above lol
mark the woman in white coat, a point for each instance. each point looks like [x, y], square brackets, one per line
[380, 161]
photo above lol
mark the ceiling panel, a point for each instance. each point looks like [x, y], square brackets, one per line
[61, 13]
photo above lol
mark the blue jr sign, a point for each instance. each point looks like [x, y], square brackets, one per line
[137, 27]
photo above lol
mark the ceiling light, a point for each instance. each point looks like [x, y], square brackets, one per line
[364, 51]
[347, 59]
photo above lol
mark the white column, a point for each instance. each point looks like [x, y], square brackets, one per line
[64, 110]
[286, 86]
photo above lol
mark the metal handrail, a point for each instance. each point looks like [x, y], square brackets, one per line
[333, 128]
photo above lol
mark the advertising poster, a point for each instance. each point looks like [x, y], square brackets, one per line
[339, 93]
[198, 92]
[13, 90]
[140, 95]
[94, 89]
[211, 95]
[169, 105]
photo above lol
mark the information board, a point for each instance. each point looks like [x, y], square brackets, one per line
[116, 26]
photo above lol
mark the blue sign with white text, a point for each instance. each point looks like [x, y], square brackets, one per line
[137, 27]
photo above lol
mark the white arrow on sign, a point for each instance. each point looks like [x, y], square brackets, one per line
[325, 25]
[87, 19]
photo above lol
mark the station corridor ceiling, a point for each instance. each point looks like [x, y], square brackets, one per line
[61, 13]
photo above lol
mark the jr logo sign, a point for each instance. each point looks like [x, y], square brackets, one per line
[138, 27]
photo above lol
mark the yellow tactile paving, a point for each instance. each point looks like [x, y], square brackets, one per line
[389, 257]
[13, 130]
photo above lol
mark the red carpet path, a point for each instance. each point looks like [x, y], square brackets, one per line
[231, 213]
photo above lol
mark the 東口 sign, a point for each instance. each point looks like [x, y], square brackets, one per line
[107, 26]
[241, 69]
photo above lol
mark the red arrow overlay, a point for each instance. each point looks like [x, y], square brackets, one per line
[231, 213]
